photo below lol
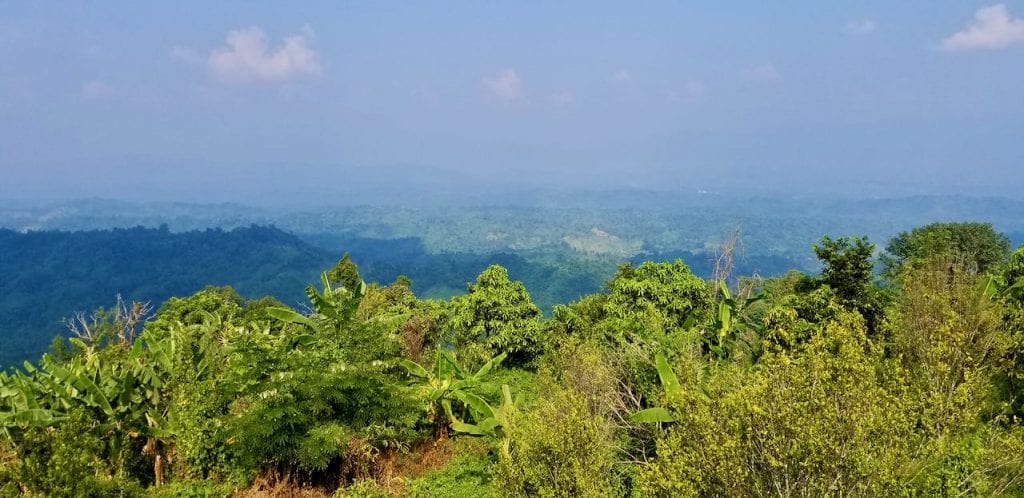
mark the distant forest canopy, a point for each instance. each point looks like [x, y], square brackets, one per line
[49, 276]
[622, 224]
[560, 249]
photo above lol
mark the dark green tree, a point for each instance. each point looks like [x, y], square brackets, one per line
[497, 314]
[978, 245]
[345, 273]
[847, 266]
[668, 289]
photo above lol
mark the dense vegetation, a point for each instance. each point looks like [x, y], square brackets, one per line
[844, 383]
[49, 276]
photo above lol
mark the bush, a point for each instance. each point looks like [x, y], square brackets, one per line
[65, 461]
[560, 448]
[823, 421]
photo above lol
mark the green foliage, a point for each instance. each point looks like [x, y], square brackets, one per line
[495, 316]
[66, 460]
[847, 266]
[815, 423]
[363, 488]
[668, 291]
[1013, 321]
[346, 273]
[323, 381]
[448, 382]
[467, 474]
[559, 449]
[847, 271]
[976, 245]
[952, 342]
[192, 489]
[796, 386]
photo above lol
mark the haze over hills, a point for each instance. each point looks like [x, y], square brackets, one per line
[562, 246]
[558, 249]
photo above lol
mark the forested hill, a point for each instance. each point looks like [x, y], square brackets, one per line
[47, 276]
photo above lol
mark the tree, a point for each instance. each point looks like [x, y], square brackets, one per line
[848, 271]
[668, 289]
[345, 273]
[847, 265]
[977, 245]
[498, 315]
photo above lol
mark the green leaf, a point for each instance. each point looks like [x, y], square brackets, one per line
[78, 342]
[463, 427]
[493, 362]
[988, 287]
[83, 383]
[291, 316]
[414, 368]
[453, 365]
[669, 381]
[652, 416]
[476, 403]
[725, 289]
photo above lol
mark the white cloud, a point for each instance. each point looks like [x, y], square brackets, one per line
[506, 85]
[622, 77]
[764, 72]
[992, 28]
[860, 27]
[96, 89]
[563, 99]
[247, 58]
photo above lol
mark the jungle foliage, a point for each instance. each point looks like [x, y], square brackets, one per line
[908, 382]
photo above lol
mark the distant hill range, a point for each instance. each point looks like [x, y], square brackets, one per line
[59, 258]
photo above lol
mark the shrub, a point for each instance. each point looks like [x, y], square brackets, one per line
[560, 448]
[66, 460]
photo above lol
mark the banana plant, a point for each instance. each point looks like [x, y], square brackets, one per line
[335, 307]
[490, 421]
[726, 323]
[673, 393]
[448, 381]
[20, 407]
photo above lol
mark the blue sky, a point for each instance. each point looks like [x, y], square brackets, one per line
[233, 101]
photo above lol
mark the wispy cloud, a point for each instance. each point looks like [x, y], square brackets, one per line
[505, 85]
[992, 28]
[247, 57]
[763, 73]
[96, 89]
[860, 27]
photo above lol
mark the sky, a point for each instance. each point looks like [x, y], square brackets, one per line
[252, 102]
